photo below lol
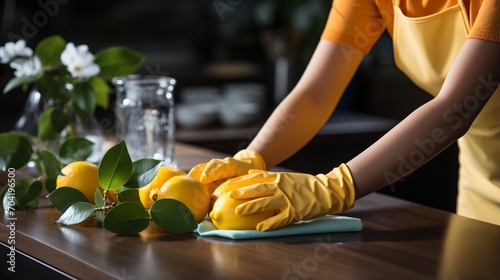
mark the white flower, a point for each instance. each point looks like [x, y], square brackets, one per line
[79, 61]
[31, 66]
[14, 50]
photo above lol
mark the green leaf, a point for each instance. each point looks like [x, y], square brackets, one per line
[15, 150]
[25, 190]
[101, 90]
[115, 167]
[129, 195]
[3, 192]
[19, 81]
[51, 122]
[62, 198]
[118, 61]
[9, 202]
[49, 50]
[127, 218]
[51, 167]
[50, 184]
[99, 215]
[31, 190]
[76, 213]
[99, 198]
[49, 89]
[75, 149]
[84, 97]
[32, 204]
[144, 170]
[173, 216]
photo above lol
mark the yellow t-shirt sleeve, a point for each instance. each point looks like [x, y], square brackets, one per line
[487, 24]
[355, 23]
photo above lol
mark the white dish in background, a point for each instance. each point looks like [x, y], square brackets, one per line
[199, 94]
[237, 114]
[196, 115]
[245, 92]
[236, 105]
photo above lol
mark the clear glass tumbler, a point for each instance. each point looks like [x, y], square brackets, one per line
[144, 116]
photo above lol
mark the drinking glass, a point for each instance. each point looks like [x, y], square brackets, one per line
[144, 116]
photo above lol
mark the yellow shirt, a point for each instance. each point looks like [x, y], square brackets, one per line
[359, 24]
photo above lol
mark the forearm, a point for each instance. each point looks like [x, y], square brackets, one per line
[289, 128]
[435, 125]
[305, 110]
[409, 145]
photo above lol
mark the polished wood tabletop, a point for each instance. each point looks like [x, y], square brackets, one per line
[400, 240]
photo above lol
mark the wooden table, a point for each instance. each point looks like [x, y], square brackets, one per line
[400, 240]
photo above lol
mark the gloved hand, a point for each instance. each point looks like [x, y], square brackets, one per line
[219, 170]
[296, 196]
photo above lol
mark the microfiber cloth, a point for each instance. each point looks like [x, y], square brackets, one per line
[324, 224]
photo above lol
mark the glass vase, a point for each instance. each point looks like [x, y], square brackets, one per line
[144, 115]
[91, 130]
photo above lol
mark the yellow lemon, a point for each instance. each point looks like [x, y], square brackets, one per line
[223, 214]
[113, 195]
[81, 175]
[149, 193]
[190, 192]
[196, 171]
[214, 185]
[222, 188]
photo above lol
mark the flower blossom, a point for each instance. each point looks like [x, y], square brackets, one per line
[12, 51]
[31, 66]
[79, 61]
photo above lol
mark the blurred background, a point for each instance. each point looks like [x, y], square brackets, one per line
[246, 55]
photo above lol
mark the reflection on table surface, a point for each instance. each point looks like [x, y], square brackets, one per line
[399, 240]
[470, 252]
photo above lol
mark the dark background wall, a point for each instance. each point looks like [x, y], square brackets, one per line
[218, 42]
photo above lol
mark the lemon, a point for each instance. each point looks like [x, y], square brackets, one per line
[113, 195]
[223, 214]
[222, 188]
[190, 192]
[149, 193]
[81, 175]
[214, 185]
[196, 171]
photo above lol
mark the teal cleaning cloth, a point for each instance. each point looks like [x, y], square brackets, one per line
[324, 224]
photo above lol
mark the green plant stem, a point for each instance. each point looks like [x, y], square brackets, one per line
[71, 130]
[106, 208]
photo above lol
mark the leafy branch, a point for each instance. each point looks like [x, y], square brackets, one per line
[118, 172]
[16, 152]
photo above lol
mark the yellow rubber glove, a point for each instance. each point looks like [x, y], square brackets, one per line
[218, 170]
[296, 196]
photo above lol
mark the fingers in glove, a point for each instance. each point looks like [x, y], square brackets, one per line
[258, 205]
[256, 171]
[196, 171]
[256, 177]
[252, 191]
[218, 169]
[275, 222]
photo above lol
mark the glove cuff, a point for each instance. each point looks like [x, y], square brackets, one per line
[342, 174]
[253, 157]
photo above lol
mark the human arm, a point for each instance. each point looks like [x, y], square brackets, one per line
[296, 119]
[436, 124]
[431, 128]
[422, 135]
[305, 110]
